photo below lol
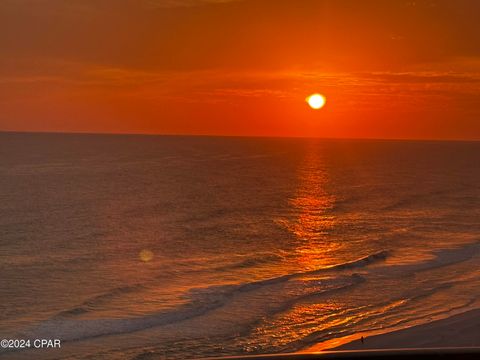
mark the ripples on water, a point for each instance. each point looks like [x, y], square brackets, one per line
[150, 246]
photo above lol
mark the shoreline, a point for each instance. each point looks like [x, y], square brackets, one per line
[459, 330]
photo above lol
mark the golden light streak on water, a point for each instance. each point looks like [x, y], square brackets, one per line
[313, 222]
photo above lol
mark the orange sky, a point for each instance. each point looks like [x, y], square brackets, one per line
[389, 69]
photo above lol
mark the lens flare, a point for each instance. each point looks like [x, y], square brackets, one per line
[146, 255]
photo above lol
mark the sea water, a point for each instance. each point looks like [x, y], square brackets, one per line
[139, 247]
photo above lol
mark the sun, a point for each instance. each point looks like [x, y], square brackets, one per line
[316, 101]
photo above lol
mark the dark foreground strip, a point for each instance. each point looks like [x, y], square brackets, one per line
[472, 353]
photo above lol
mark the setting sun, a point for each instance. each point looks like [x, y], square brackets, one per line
[316, 101]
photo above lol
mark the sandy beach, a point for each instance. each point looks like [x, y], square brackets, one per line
[462, 330]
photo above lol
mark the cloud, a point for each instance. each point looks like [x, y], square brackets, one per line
[423, 77]
[232, 34]
[183, 3]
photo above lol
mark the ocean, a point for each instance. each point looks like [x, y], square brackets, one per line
[146, 247]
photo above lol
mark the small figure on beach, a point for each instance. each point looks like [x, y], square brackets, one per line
[362, 339]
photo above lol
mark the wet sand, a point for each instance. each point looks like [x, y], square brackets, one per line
[462, 330]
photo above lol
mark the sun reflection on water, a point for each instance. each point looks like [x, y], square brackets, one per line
[312, 219]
